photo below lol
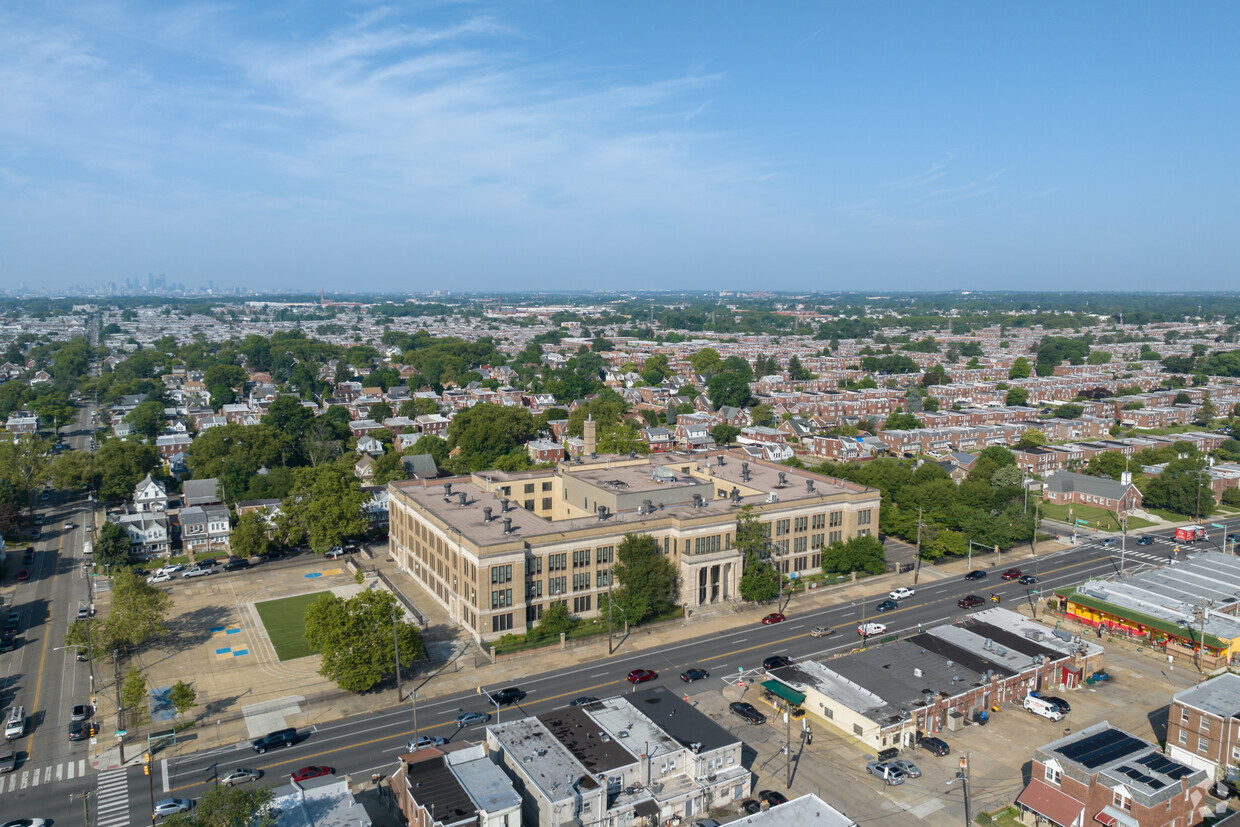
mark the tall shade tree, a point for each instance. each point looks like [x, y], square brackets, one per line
[355, 638]
[228, 806]
[645, 578]
[249, 535]
[324, 506]
[136, 616]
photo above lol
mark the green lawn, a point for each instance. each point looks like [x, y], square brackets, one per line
[283, 621]
[1099, 518]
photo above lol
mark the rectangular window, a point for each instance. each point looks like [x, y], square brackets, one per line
[1121, 801]
[1184, 715]
[603, 554]
[1202, 745]
[533, 566]
[546, 504]
[820, 521]
[602, 578]
[533, 590]
[781, 527]
[1204, 724]
[501, 623]
[529, 488]
[1183, 736]
[801, 524]
[581, 604]
[501, 598]
[1051, 774]
[501, 574]
[546, 486]
[837, 518]
[528, 505]
[863, 517]
[815, 541]
[834, 537]
[857, 730]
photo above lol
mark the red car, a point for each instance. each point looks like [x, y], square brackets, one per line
[23, 576]
[642, 675]
[1011, 574]
[774, 617]
[306, 773]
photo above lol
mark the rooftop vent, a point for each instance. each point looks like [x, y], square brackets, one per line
[447, 489]
[508, 525]
[809, 486]
[783, 479]
[721, 462]
[486, 514]
[697, 501]
[503, 505]
[464, 499]
[602, 512]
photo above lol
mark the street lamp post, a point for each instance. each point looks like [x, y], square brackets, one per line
[964, 780]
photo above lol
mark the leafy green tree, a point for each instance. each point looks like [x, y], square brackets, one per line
[1106, 464]
[121, 464]
[796, 371]
[556, 620]
[289, 418]
[133, 696]
[644, 578]
[762, 414]
[437, 447]
[1031, 438]
[759, 581]
[324, 506]
[71, 470]
[249, 535]
[945, 543]
[229, 376]
[135, 617]
[486, 432]
[728, 388]
[112, 548]
[858, 554]
[1069, 411]
[1006, 477]
[182, 697]
[723, 433]
[388, 468]
[354, 637]
[1016, 396]
[228, 806]
[147, 419]
[1206, 412]
[54, 408]
[705, 360]
[23, 462]
[233, 454]
[1182, 487]
[1021, 369]
[1098, 357]
[380, 411]
[899, 420]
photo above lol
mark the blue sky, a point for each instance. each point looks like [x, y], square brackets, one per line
[526, 145]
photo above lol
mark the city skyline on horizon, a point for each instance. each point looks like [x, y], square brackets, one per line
[547, 146]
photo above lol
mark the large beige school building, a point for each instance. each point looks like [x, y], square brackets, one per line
[496, 548]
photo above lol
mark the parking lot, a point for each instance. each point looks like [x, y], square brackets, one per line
[998, 754]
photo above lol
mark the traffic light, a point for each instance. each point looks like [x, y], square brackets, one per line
[146, 769]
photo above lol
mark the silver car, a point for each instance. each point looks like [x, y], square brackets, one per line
[907, 767]
[196, 571]
[170, 806]
[240, 776]
[416, 744]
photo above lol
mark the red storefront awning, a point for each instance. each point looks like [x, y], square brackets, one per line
[1052, 804]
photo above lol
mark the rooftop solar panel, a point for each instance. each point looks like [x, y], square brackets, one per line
[1084, 746]
[1112, 752]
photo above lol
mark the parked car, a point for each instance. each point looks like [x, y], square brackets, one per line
[976, 574]
[77, 731]
[885, 770]
[8, 760]
[901, 593]
[69, 525]
[772, 798]
[79, 712]
[23, 576]
[969, 601]
[871, 629]
[773, 617]
[1063, 705]
[1011, 574]
[1233, 537]
[85, 612]
[421, 741]
[750, 807]
[159, 577]
[691, 675]
[909, 769]
[935, 746]
[169, 806]
[642, 675]
[747, 711]
[28, 557]
[510, 695]
[1027, 580]
[240, 775]
[470, 718]
[1147, 540]
[237, 565]
[306, 773]
[821, 631]
[197, 571]
[886, 606]
[8, 642]
[584, 700]
[172, 568]
[12, 621]
[776, 662]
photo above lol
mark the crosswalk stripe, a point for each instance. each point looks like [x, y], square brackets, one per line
[34, 778]
[60, 771]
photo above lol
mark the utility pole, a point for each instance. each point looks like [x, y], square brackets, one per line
[415, 716]
[85, 796]
[120, 709]
[396, 651]
[917, 571]
[788, 741]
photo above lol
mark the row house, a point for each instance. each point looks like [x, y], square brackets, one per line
[1104, 775]
[205, 529]
[399, 424]
[150, 495]
[1157, 417]
[1203, 726]
[361, 427]
[239, 414]
[838, 448]
[544, 450]
[659, 439]
[169, 445]
[432, 424]
[761, 435]
[21, 422]
[1222, 477]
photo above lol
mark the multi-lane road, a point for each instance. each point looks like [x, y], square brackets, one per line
[40, 674]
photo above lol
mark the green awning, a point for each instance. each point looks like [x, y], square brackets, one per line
[780, 690]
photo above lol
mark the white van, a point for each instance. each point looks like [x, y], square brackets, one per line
[1046, 709]
[15, 727]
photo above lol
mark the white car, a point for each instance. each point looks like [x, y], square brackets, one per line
[901, 593]
[196, 571]
[172, 569]
[159, 577]
[871, 629]
[169, 806]
[416, 744]
[68, 525]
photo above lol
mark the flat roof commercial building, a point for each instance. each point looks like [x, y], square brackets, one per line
[496, 548]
